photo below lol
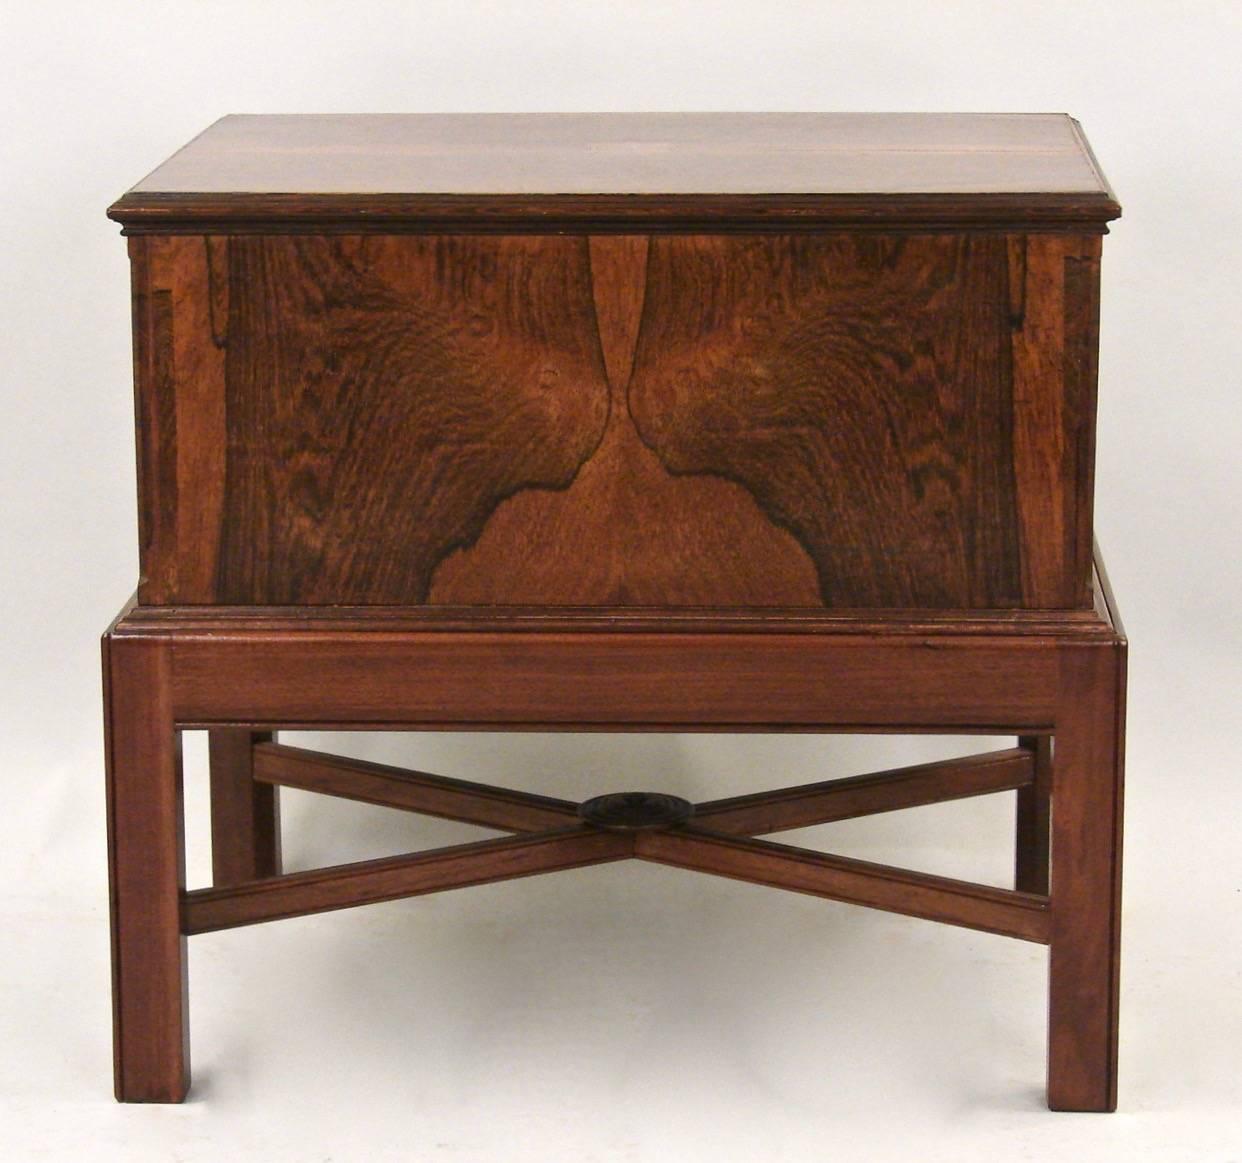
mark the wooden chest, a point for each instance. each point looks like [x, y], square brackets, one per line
[707, 365]
[643, 422]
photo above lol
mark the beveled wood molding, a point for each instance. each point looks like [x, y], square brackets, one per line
[1075, 624]
[216, 213]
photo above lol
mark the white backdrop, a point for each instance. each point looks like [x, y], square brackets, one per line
[625, 1013]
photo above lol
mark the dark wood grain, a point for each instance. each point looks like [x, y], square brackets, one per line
[245, 814]
[405, 390]
[760, 422]
[627, 533]
[855, 387]
[710, 422]
[153, 286]
[650, 171]
[146, 863]
[1054, 307]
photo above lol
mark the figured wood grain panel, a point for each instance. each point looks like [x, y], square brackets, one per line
[856, 386]
[384, 396]
[754, 421]
[627, 533]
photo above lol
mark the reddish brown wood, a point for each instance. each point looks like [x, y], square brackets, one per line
[1084, 965]
[1105, 602]
[245, 815]
[624, 171]
[1084, 625]
[1032, 835]
[762, 813]
[1054, 312]
[561, 661]
[344, 886]
[648, 680]
[840, 878]
[856, 387]
[700, 422]
[414, 430]
[155, 400]
[146, 873]
[655, 538]
[413, 791]
[757, 814]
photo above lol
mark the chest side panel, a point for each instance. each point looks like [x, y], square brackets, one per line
[844, 420]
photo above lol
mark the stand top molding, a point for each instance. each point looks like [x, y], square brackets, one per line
[640, 171]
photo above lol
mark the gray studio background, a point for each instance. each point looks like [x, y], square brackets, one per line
[626, 1012]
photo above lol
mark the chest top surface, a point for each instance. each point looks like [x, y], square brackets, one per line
[648, 166]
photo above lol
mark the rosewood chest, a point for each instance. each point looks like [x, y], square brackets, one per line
[660, 421]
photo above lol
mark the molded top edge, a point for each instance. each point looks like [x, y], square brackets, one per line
[613, 169]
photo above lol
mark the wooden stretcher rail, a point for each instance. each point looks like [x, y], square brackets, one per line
[761, 813]
[343, 886]
[414, 791]
[914, 894]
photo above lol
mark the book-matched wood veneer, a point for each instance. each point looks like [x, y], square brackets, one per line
[797, 421]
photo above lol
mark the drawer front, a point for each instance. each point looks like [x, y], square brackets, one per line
[797, 421]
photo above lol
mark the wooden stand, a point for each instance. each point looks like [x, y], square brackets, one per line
[1060, 687]
[602, 437]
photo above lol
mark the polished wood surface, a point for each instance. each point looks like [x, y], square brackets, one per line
[146, 867]
[578, 680]
[1086, 810]
[842, 878]
[1032, 834]
[515, 171]
[245, 814]
[762, 813]
[414, 791]
[833, 421]
[713, 837]
[392, 878]
[644, 423]
[1070, 679]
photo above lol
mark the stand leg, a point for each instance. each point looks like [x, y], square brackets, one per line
[245, 815]
[1086, 880]
[1031, 835]
[146, 873]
